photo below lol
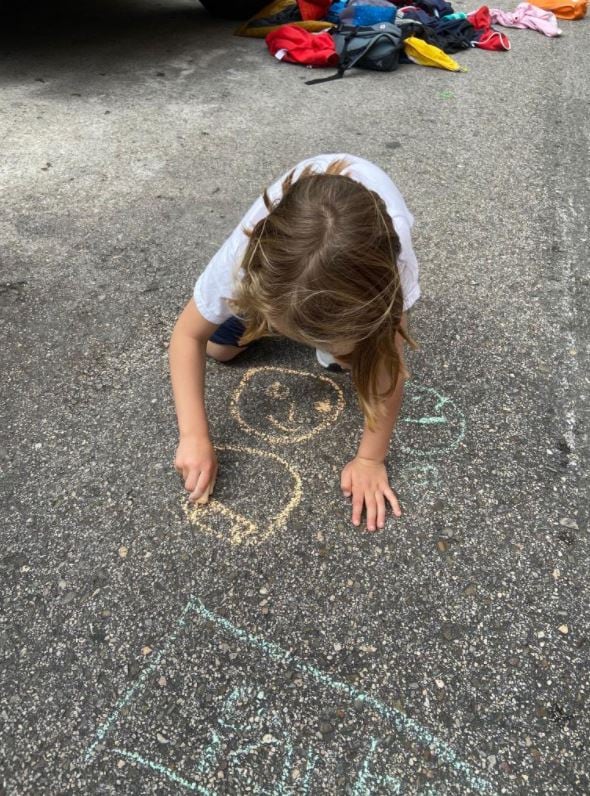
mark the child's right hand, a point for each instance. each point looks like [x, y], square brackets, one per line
[196, 462]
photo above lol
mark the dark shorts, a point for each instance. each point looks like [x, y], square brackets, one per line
[229, 332]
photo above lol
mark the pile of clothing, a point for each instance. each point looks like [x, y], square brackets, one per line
[307, 31]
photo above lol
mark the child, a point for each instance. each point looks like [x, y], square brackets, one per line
[323, 257]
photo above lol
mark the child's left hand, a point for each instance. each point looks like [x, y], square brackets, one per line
[366, 481]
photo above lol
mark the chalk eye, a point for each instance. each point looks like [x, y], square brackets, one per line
[277, 390]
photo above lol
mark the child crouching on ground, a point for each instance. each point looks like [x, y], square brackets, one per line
[325, 258]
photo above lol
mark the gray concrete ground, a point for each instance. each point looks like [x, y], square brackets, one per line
[270, 647]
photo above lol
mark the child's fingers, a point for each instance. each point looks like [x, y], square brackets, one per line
[346, 483]
[390, 495]
[201, 501]
[357, 507]
[206, 494]
[191, 479]
[371, 511]
[201, 491]
[380, 510]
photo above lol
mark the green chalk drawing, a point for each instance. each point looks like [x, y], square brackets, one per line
[445, 414]
[422, 474]
[163, 770]
[366, 779]
[236, 696]
[403, 724]
[427, 421]
[140, 682]
[210, 756]
[399, 720]
[310, 764]
[227, 720]
[282, 789]
[246, 750]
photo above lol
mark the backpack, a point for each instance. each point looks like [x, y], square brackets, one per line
[375, 47]
[564, 9]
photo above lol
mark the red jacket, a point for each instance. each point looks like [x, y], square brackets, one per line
[302, 47]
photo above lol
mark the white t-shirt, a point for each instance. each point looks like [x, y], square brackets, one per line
[216, 283]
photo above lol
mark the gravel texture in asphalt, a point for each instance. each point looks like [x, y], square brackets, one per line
[263, 644]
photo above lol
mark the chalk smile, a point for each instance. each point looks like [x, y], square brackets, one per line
[293, 425]
[284, 419]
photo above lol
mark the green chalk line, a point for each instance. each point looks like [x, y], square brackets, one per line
[434, 420]
[402, 723]
[167, 772]
[130, 693]
[399, 720]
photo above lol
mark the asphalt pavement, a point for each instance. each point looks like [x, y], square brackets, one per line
[263, 644]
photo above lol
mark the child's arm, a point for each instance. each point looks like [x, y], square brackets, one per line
[195, 456]
[365, 477]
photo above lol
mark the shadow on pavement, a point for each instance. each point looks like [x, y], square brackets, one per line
[40, 26]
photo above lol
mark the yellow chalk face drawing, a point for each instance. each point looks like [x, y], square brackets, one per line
[285, 406]
[268, 402]
[231, 513]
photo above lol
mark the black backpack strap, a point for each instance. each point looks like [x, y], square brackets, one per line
[343, 64]
[337, 76]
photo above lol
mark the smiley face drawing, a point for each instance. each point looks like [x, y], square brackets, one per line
[431, 424]
[268, 402]
[231, 513]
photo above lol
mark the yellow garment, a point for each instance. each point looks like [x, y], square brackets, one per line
[271, 15]
[420, 52]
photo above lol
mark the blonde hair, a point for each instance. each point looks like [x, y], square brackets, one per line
[321, 268]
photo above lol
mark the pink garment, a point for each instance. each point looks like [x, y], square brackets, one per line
[526, 15]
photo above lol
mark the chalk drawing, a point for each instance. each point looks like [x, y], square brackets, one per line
[422, 474]
[265, 404]
[238, 528]
[229, 719]
[435, 426]
[399, 720]
[163, 771]
[139, 683]
[310, 764]
[210, 756]
[367, 779]
[273, 720]
[431, 427]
